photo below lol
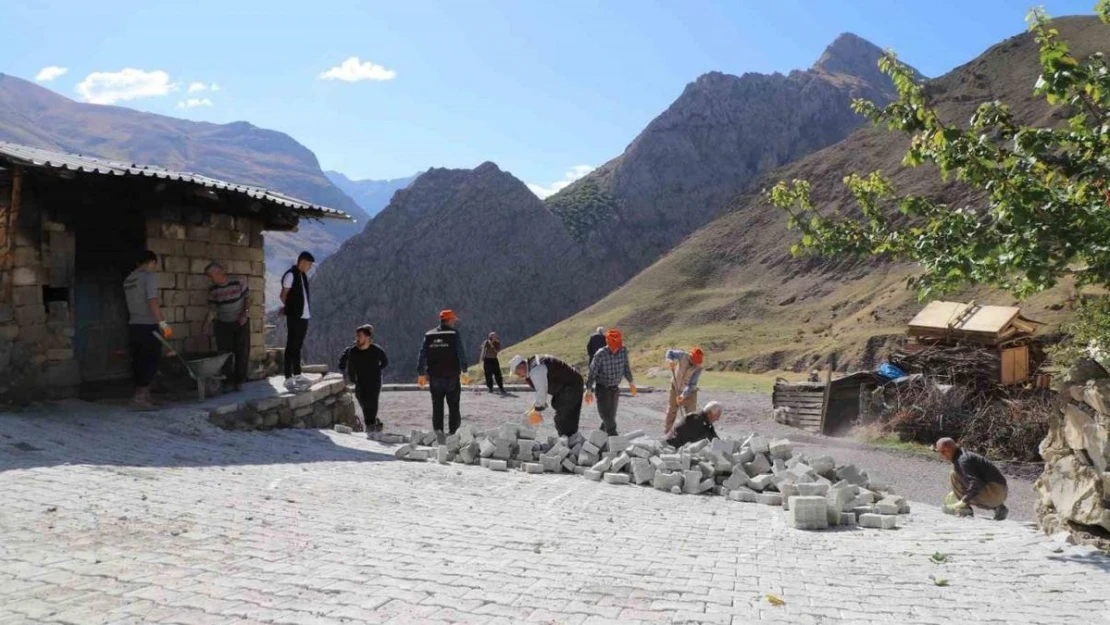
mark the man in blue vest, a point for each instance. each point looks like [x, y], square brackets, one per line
[443, 362]
[295, 300]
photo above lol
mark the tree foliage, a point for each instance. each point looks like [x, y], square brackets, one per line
[582, 207]
[1046, 212]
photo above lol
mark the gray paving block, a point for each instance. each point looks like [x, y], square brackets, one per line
[640, 452]
[592, 475]
[724, 446]
[590, 448]
[781, 448]
[486, 448]
[743, 456]
[551, 465]
[441, 454]
[657, 462]
[769, 499]
[720, 490]
[690, 481]
[666, 481]
[620, 462]
[738, 479]
[618, 443]
[761, 482]
[601, 466]
[812, 490]
[707, 469]
[484, 462]
[746, 495]
[580, 470]
[616, 478]
[859, 511]
[568, 465]
[575, 439]
[878, 521]
[758, 444]
[808, 513]
[526, 432]
[533, 467]
[822, 465]
[676, 490]
[403, 451]
[707, 485]
[853, 475]
[697, 446]
[757, 466]
[498, 465]
[847, 518]
[597, 438]
[642, 473]
[884, 507]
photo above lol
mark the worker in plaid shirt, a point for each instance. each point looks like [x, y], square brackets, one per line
[609, 365]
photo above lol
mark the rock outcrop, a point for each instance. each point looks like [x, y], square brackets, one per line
[1075, 485]
[476, 241]
[716, 138]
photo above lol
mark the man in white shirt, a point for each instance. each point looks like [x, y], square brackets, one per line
[547, 375]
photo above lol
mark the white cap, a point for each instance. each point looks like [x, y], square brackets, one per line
[515, 362]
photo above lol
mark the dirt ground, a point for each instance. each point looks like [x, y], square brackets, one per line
[920, 478]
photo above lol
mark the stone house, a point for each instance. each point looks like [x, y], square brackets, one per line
[71, 227]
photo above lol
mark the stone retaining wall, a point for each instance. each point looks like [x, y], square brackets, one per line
[327, 403]
[1075, 485]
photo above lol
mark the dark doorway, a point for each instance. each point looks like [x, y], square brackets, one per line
[106, 252]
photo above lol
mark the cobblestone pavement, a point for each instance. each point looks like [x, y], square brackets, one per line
[111, 517]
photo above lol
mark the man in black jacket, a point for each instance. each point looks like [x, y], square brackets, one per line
[295, 299]
[596, 342]
[547, 375]
[443, 359]
[696, 426]
[975, 481]
[363, 363]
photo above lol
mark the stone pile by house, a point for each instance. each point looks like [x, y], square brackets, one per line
[1075, 485]
[814, 491]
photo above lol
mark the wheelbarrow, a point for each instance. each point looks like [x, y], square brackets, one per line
[203, 370]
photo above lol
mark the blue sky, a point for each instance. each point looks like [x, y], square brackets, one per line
[542, 88]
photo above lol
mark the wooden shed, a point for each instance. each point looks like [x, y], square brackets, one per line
[1001, 329]
[829, 407]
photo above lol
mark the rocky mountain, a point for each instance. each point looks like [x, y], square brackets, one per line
[733, 287]
[371, 195]
[476, 241]
[238, 152]
[681, 171]
[718, 136]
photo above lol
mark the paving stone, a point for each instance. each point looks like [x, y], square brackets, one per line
[620, 462]
[884, 507]
[691, 480]
[532, 467]
[847, 518]
[808, 513]
[743, 494]
[769, 499]
[758, 444]
[551, 464]
[592, 475]
[758, 466]
[780, 449]
[737, 480]
[616, 478]
[602, 465]
[853, 475]
[498, 465]
[343, 429]
[761, 482]
[812, 490]
[878, 521]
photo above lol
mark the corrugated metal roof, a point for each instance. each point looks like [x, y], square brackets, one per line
[37, 157]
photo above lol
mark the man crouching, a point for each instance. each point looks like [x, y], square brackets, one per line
[975, 481]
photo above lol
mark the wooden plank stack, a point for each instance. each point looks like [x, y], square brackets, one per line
[801, 403]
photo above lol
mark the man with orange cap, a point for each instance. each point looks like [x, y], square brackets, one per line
[442, 361]
[609, 365]
[685, 373]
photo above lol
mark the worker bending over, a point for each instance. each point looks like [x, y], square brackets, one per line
[547, 375]
[696, 426]
[685, 373]
[975, 481]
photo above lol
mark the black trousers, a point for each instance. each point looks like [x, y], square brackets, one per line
[367, 396]
[607, 399]
[294, 340]
[493, 373]
[234, 338]
[146, 351]
[567, 403]
[445, 389]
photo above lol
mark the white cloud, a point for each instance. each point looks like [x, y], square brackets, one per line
[195, 87]
[352, 70]
[574, 173]
[126, 84]
[50, 72]
[192, 103]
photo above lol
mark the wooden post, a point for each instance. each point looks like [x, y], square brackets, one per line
[12, 223]
[825, 401]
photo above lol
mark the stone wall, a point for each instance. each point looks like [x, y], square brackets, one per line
[186, 241]
[39, 290]
[327, 403]
[1075, 485]
[36, 337]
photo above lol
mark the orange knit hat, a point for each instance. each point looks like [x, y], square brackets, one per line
[697, 356]
[447, 315]
[614, 340]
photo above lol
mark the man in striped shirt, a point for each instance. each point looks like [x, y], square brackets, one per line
[229, 308]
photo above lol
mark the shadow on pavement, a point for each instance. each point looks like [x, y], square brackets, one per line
[1096, 559]
[75, 432]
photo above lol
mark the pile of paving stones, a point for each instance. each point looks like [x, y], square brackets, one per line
[815, 492]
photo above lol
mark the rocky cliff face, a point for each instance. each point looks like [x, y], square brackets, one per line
[717, 137]
[237, 152]
[476, 241]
